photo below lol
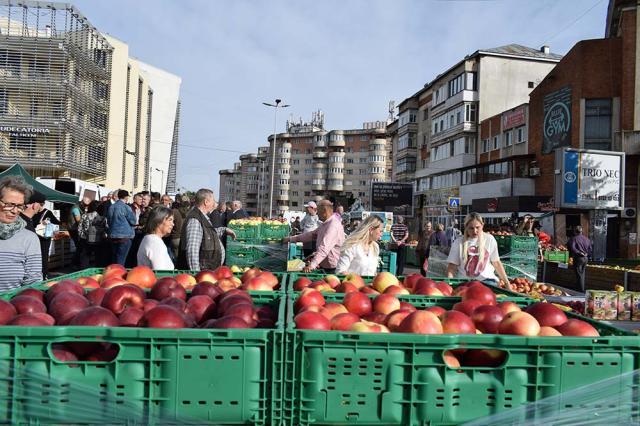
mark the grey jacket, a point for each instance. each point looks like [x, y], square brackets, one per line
[307, 224]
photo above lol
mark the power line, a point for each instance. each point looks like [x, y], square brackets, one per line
[572, 23]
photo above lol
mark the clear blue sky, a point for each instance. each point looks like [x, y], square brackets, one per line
[346, 57]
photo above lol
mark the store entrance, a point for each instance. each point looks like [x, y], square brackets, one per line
[572, 220]
[613, 237]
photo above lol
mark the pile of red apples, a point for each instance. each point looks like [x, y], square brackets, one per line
[478, 312]
[211, 299]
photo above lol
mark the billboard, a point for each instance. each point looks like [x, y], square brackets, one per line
[591, 179]
[557, 120]
[396, 198]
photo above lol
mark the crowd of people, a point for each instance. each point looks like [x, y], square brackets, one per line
[153, 230]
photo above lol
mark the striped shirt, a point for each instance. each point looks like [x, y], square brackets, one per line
[20, 260]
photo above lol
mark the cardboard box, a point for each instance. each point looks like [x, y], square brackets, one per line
[625, 301]
[602, 305]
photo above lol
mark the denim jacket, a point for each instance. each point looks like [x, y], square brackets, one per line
[120, 219]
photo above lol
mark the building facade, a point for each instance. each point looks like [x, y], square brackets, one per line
[311, 163]
[55, 72]
[448, 110]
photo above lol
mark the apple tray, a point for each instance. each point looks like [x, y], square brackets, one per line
[177, 376]
[337, 377]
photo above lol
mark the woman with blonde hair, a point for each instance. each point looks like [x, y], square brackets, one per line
[360, 250]
[476, 254]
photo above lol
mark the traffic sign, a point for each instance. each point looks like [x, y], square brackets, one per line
[454, 202]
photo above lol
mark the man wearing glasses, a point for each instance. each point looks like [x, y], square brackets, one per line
[20, 257]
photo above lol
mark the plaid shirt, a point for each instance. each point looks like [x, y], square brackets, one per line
[194, 240]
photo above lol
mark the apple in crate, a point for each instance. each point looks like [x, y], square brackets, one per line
[547, 314]
[356, 280]
[311, 321]
[508, 306]
[163, 316]
[484, 358]
[520, 323]
[346, 287]
[38, 294]
[455, 322]
[481, 293]
[111, 282]
[88, 282]
[467, 306]
[487, 318]
[358, 303]
[549, 331]
[395, 318]
[421, 322]
[309, 297]
[332, 280]
[66, 305]
[27, 304]
[301, 283]
[62, 287]
[7, 312]
[29, 320]
[223, 272]
[142, 276]
[384, 280]
[95, 316]
[95, 296]
[411, 280]
[332, 309]
[386, 303]
[439, 311]
[114, 270]
[343, 322]
[363, 326]
[198, 305]
[206, 288]
[576, 327]
[167, 287]
[395, 289]
[130, 317]
[117, 299]
[187, 281]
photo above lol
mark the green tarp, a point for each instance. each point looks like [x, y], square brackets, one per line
[51, 194]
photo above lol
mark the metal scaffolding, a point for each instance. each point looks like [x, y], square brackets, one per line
[55, 71]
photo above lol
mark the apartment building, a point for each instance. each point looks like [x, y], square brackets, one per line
[311, 163]
[230, 183]
[448, 110]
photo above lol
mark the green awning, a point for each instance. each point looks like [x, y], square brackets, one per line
[51, 194]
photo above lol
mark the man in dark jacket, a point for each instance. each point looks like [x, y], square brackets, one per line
[580, 248]
[200, 245]
[237, 212]
[219, 216]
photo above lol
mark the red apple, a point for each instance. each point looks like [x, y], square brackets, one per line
[178, 304]
[118, 298]
[187, 281]
[386, 303]
[226, 284]
[438, 311]
[301, 283]
[467, 306]
[311, 321]
[167, 287]
[61, 287]
[411, 280]
[407, 306]
[383, 280]
[484, 358]
[112, 281]
[38, 294]
[142, 276]
[225, 303]
[357, 303]
[332, 280]
[395, 289]
[395, 318]
[226, 322]
[445, 288]
[548, 331]
[346, 287]
[222, 272]
[547, 314]
[62, 353]
[269, 278]
[422, 322]
[197, 306]
[163, 316]
[450, 359]
[332, 309]
[508, 306]
[66, 305]
[206, 288]
[206, 275]
[29, 320]
[369, 290]
[487, 318]
[429, 291]
[114, 270]
[377, 317]
[95, 296]
[27, 305]
[481, 293]
[455, 322]
[354, 279]
[364, 326]
[130, 317]
[149, 304]
[257, 283]
[7, 312]
[520, 323]
[107, 353]
[309, 297]
[88, 282]
[95, 316]
[343, 322]
[45, 317]
[576, 327]
[244, 311]
[250, 273]
[460, 290]
[422, 284]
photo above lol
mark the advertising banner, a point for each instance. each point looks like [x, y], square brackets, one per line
[557, 120]
[396, 198]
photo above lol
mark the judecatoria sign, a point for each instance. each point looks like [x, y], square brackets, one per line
[24, 132]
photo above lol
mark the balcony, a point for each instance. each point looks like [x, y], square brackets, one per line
[283, 197]
[465, 126]
[463, 96]
[320, 154]
[335, 187]
[451, 163]
[317, 186]
[498, 188]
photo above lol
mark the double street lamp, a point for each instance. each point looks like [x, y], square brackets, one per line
[273, 151]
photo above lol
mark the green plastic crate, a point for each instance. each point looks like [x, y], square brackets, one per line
[295, 251]
[509, 245]
[388, 261]
[556, 256]
[246, 232]
[240, 254]
[274, 232]
[160, 376]
[344, 378]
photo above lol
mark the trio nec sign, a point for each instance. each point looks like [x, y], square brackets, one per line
[592, 179]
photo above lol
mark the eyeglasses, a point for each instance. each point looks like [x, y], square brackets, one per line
[7, 207]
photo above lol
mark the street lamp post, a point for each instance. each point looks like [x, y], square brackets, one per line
[273, 151]
[161, 178]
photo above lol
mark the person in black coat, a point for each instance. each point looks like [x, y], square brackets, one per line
[237, 211]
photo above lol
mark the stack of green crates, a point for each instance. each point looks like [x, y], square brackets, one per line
[257, 245]
[519, 255]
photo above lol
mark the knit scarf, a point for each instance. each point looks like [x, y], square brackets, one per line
[8, 230]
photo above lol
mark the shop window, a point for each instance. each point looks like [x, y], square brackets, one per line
[597, 124]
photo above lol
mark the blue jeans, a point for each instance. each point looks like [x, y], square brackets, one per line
[120, 249]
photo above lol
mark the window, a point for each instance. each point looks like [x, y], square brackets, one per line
[349, 171]
[364, 137]
[363, 172]
[361, 194]
[4, 102]
[496, 142]
[295, 161]
[408, 140]
[307, 193]
[33, 110]
[597, 124]
[425, 114]
[296, 172]
[458, 117]
[470, 113]
[530, 85]
[347, 149]
[349, 160]
[521, 136]
[408, 116]
[308, 161]
[363, 183]
[508, 140]
[349, 139]
[406, 164]
[294, 193]
[362, 160]
[486, 145]
[307, 182]
[456, 85]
